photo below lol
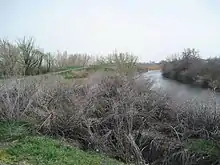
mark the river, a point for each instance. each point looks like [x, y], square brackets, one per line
[180, 92]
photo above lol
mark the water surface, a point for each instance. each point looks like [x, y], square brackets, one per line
[178, 91]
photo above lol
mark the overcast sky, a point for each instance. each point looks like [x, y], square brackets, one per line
[151, 29]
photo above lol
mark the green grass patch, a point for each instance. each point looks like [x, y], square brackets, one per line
[46, 151]
[70, 68]
[67, 75]
[5, 157]
[19, 144]
[75, 74]
[204, 147]
[73, 67]
[10, 130]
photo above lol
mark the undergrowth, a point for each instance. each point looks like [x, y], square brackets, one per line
[113, 113]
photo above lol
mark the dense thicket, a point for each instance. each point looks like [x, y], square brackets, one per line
[188, 67]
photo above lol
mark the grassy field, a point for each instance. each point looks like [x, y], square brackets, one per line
[71, 73]
[19, 145]
[84, 72]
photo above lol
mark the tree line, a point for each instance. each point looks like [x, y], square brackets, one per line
[23, 57]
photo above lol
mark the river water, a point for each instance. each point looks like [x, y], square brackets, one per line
[180, 92]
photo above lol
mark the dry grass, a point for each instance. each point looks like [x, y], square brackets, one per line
[147, 67]
[154, 67]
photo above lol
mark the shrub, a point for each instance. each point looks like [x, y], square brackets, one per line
[114, 114]
[200, 119]
[8, 59]
[124, 63]
[105, 114]
[190, 68]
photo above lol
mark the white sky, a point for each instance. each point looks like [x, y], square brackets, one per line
[151, 29]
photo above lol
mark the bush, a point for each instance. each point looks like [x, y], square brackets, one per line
[104, 115]
[124, 63]
[114, 114]
[190, 68]
[197, 119]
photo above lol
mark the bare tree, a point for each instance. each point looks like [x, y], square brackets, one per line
[40, 58]
[66, 60]
[8, 57]
[49, 61]
[123, 62]
[85, 59]
[30, 57]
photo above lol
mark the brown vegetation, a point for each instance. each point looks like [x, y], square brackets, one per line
[190, 68]
[154, 67]
[118, 114]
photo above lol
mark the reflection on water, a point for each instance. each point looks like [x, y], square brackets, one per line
[179, 91]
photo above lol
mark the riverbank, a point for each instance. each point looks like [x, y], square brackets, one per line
[109, 114]
[189, 68]
[198, 81]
